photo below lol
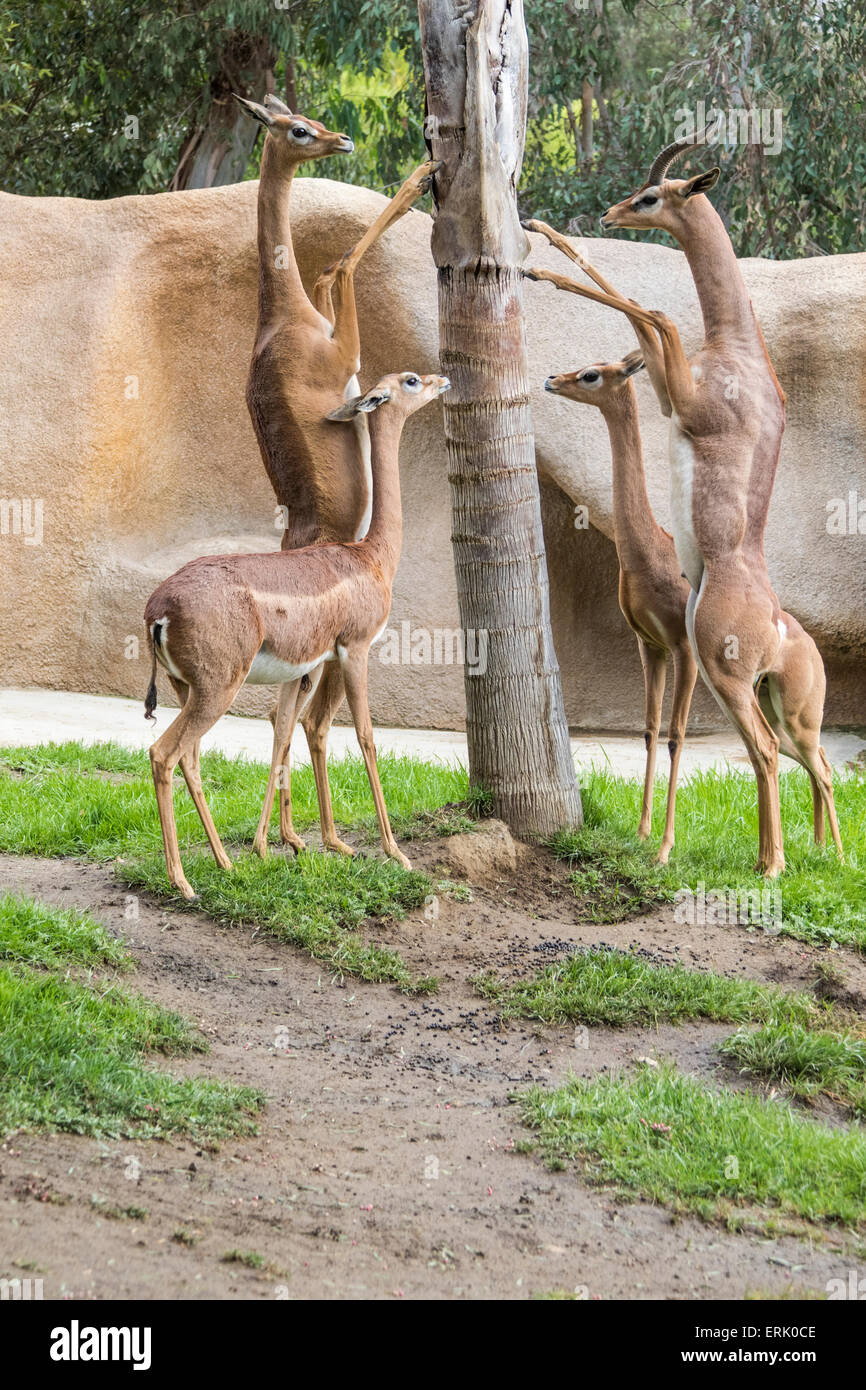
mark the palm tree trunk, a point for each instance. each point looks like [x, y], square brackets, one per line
[515, 719]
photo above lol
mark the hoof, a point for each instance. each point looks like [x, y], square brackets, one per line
[338, 847]
[400, 857]
[294, 842]
[664, 854]
[770, 870]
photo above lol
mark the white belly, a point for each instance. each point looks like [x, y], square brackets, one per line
[682, 456]
[268, 669]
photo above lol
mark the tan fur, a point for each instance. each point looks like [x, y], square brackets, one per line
[652, 592]
[210, 620]
[728, 419]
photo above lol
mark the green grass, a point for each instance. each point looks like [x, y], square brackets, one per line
[614, 988]
[98, 802]
[717, 838]
[53, 937]
[251, 1259]
[695, 1148]
[73, 1055]
[309, 901]
[61, 804]
[72, 1058]
[808, 1062]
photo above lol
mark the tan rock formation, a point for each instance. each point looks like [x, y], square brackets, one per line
[127, 327]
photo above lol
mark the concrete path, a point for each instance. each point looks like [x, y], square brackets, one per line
[45, 716]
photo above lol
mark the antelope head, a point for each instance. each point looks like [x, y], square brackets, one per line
[298, 137]
[597, 384]
[662, 202]
[403, 392]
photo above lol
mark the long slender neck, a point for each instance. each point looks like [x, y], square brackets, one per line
[385, 536]
[279, 278]
[634, 526]
[725, 304]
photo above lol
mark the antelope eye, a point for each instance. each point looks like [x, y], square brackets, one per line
[647, 202]
[413, 382]
[299, 132]
[590, 376]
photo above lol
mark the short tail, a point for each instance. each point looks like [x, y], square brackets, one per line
[153, 639]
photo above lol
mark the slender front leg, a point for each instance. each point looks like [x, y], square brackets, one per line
[654, 361]
[354, 664]
[284, 726]
[679, 382]
[334, 291]
[685, 675]
[678, 376]
[653, 661]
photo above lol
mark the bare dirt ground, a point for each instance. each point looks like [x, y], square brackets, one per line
[385, 1165]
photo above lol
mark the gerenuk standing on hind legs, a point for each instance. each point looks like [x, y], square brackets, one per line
[728, 417]
[304, 364]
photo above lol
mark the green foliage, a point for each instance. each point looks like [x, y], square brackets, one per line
[70, 74]
[98, 802]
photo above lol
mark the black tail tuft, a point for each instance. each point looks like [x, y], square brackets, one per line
[151, 696]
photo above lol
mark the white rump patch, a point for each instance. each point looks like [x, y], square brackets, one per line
[163, 655]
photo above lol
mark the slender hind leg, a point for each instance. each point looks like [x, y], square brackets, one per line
[355, 675]
[653, 660]
[199, 713]
[317, 720]
[685, 675]
[283, 719]
[190, 767]
[796, 688]
[762, 746]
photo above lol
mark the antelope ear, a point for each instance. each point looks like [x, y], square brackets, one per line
[701, 183]
[361, 405]
[254, 109]
[347, 411]
[631, 364]
[374, 399]
[276, 104]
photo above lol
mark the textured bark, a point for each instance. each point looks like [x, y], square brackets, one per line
[476, 71]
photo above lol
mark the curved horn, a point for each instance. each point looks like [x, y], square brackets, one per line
[663, 161]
